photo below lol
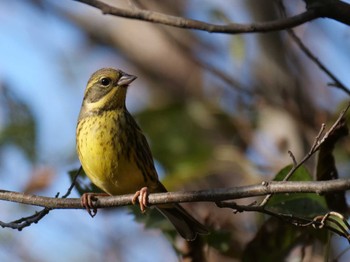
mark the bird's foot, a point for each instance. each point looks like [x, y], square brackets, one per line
[87, 201]
[142, 197]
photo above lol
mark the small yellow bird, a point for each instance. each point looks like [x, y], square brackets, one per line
[115, 154]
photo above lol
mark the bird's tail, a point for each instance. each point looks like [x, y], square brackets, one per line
[185, 224]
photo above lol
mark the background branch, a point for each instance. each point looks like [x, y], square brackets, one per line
[180, 22]
[336, 82]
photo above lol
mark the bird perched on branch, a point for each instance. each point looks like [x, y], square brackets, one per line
[115, 154]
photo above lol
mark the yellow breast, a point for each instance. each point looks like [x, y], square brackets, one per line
[104, 152]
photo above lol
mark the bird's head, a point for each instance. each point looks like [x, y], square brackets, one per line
[106, 90]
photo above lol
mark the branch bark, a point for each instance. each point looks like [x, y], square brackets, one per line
[213, 195]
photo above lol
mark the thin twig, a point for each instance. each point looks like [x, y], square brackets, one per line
[292, 157]
[317, 138]
[69, 191]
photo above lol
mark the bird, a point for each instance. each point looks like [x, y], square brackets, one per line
[115, 154]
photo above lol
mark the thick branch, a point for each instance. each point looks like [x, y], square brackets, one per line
[213, 195]
[334, 9]
[232, 28]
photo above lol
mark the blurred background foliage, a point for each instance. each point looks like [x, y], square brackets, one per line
[218, 111]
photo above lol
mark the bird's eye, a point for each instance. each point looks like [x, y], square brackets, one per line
[105, 81]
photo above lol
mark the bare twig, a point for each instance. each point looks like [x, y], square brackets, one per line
[292, 157]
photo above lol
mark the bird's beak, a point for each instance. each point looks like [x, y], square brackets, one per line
[126, 79]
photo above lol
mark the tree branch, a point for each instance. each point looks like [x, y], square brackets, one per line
[213, 195]
[180, 22]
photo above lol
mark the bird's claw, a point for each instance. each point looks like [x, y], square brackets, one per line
[87, 200]
[142, 196]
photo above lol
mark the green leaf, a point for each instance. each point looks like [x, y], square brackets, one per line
[219, 240]
[301, 174]
[306, 205]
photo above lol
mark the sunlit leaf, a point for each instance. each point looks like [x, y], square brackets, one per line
[176, 139]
